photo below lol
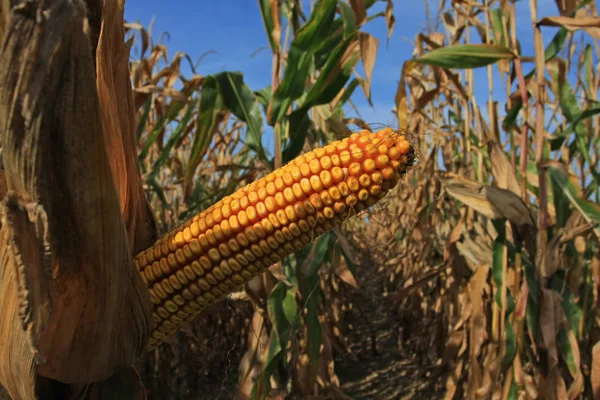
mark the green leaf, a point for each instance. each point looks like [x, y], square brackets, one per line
[335, 73]
[573, 311]
[570, 188]
[318, 27]
[299, 123]
[566, 351]
[292, 86]
[143, 118]
[556, 44]
[311, 295]
[512, 114]
[266, 12]
[561, 204]
[498, 248]
[263, 96]
[510, 346]
[242, 103]
[174, 138]
[348, 18]
[209, 104]
[580, 116]
[321, 246]
[466, 56]
[171, 114]
[300, 61]
[347, 94]
[497, 26]
[282, 312]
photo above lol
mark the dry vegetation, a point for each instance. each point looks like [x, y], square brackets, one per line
[477, 281]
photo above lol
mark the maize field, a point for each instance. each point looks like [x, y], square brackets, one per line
[153, 245]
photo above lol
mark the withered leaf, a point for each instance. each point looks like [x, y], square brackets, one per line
[591, 25]
[490, 201]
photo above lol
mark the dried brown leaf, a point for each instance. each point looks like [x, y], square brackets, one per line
[566, 7]
[550, 320]
[502, 169]
[589, 24]
[492, 202]
[360, 12]
[368, 54]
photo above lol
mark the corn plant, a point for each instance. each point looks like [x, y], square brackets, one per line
[510, 202]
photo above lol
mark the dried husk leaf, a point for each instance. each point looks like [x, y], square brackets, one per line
[57, 165]
[490, 201]
[118, 121]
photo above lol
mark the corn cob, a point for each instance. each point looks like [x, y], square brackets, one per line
[218, 250]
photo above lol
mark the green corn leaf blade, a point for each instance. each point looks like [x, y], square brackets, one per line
[321, 247]
[348, 92]
[568, 101]
[309, 39]
[209, 104]
[466, 56]
[568, 350]
[174, 110]
[297, 70]
[348, 18]
[299, 123]
[311, 296]
[328, 45]
[144, 118]
[282, 312]
[510, 345]
[242, 103]
[497, 27]
[570, 189]
[159, 191]
[512, 114]
[263, 96]
[573, 310]
[556, 44]
[266, 13]
[553, 48]
[561, 203]
[318, 27]
[573, 114]
[174, 138]
[335, 74]
[512, 391]
[498, 248]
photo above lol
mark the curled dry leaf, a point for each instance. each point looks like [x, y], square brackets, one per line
[490, 201]
[55, 159]
[589, 24]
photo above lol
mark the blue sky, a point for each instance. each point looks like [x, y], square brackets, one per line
[234, 28]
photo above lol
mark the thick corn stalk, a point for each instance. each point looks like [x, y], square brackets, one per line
[218, 250]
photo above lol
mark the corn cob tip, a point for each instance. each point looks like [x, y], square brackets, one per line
[218, 250]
